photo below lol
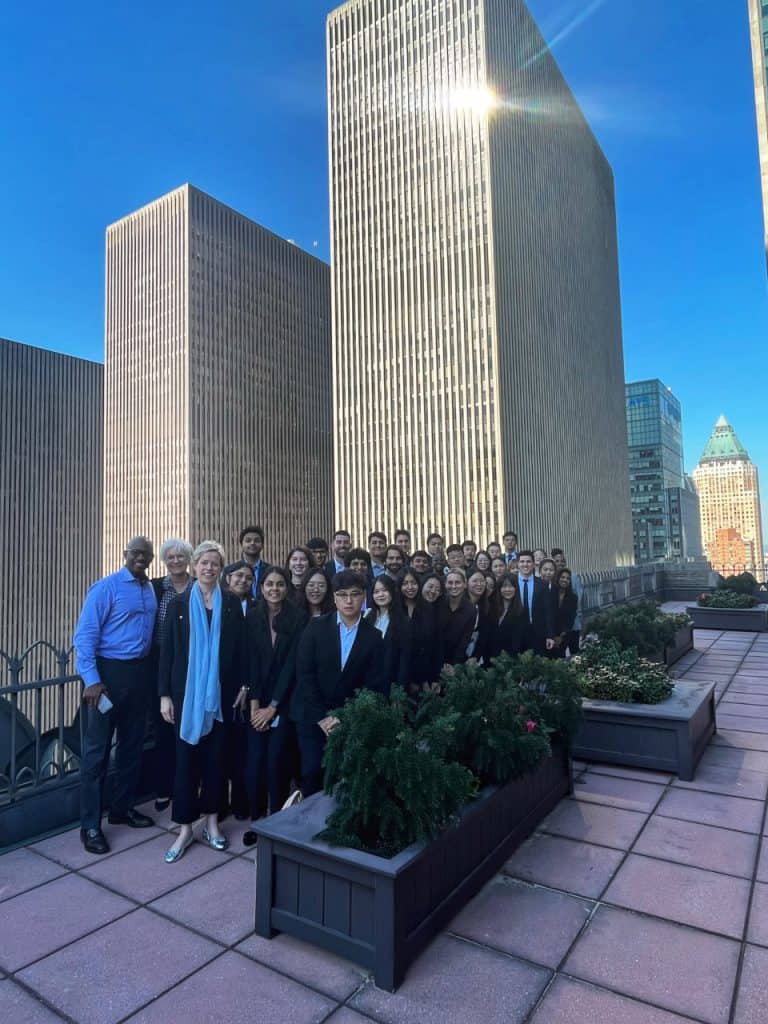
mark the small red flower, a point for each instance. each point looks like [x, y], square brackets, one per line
[530, 726]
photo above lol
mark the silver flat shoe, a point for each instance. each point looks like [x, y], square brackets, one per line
[172, 855]
[215, 842]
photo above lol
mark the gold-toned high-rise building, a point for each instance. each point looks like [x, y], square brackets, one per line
[218, 380]
[478, 362]
[51, 425]
[729, 500]
[758, 32]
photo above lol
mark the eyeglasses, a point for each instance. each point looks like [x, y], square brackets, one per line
[349, 595]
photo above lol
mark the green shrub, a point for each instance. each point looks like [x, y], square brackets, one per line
[549, 685]
[608, 672]
[744, 583]
[392, 783]
[728, 599]
[641, 625]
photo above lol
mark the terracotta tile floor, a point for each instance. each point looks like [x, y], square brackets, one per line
[640, 900]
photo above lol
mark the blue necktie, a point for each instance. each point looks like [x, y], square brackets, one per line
[525, 600]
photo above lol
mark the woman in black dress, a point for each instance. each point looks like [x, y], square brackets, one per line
[566, 606]
[507, 618]
[460, 618]
[388, 616]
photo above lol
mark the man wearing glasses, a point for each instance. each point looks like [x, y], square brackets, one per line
[338, 654]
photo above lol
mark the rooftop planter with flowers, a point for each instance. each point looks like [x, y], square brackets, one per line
[731, 607]
[424, 802]
[643, 626]
[636, 715]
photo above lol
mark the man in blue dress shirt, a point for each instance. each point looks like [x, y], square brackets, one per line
[113, 639]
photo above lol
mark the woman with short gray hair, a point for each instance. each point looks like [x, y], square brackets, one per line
[176, 554]
[202, 668]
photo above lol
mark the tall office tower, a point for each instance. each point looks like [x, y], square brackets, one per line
[478, 362]
[665, 506]
[729, 493]
[51, 425]
[218, 380]
[758, 30]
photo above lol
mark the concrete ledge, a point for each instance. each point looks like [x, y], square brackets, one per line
[668, 737]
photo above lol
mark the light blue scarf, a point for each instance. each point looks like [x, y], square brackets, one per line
[202, 697]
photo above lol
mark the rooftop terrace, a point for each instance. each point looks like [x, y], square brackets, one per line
[640, 900]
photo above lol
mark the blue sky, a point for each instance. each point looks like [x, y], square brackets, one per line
[104, 107]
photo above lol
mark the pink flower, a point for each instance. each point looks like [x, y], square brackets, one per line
[530, 726]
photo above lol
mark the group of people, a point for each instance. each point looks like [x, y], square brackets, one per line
[239, 666]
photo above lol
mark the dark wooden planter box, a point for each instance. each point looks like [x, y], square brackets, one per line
[682, 643]
[382, 912]
[752, 619]
[666, 737]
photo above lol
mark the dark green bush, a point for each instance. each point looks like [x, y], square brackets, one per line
[608, 672]
[642, 626]
[728, 599]
[744, 583]
[550, 685]
[393, 784]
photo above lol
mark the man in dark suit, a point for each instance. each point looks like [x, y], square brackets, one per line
[338, 654]
[342, 542]
[251, 546]
[538, 607]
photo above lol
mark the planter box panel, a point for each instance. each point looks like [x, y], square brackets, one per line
[754, 620]
[680, 646]
[382, 912]
[669, 737]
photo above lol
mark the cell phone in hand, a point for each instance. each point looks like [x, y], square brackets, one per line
[105, 704]
[275, 722]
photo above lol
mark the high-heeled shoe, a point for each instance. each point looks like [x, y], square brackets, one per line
[174, 854]
[215, 842]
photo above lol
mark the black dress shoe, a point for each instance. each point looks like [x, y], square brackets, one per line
[250, 838]
[93, 840]
[131, 818]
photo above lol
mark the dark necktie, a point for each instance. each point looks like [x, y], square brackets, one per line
[525, 600]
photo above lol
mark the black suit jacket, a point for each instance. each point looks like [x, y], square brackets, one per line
[174, 653]
[565, 613]
[272, 670]
[458, 627]
[321, 683]
[427, 642]
[542, 626]
[396, 646]
[507, 635]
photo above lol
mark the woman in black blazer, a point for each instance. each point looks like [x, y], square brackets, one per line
[273, 630]
[508, 618]
[389, 618]
[566, 606]
[426, 617]
[197, 695]
[478, 594]
[460, 619]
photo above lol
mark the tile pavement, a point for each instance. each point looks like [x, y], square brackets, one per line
[639, 900]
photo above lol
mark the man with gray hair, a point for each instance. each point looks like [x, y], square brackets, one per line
[113, 640]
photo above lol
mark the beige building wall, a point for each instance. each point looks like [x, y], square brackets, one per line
[729, 498]
[218, 379]
[758, 34]
[478, 367]
[51, 419]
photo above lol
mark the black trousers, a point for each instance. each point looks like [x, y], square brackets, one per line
[311, 746]
[126, 683]
[268, 768]
[199, 773]
[234, 793]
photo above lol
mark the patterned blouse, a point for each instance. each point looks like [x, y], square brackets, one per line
[167, 595]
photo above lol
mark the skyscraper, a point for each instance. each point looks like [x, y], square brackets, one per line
[478, 362]
[665, 509]
[51, 423]
[758, 31]
[218, 379]
[729, 493]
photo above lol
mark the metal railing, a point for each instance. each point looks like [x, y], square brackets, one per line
[40, 721]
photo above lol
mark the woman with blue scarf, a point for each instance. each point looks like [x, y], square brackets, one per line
[201, 673]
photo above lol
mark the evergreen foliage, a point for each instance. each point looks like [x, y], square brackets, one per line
[393, 784]
[728, 599]
[641, 625]
[550, 685]
[744, 583]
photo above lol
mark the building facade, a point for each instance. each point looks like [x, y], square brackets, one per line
[218, 380]
[758, 31]
[729, 493]
[51, 424]
[665, 508]
[478, 366]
